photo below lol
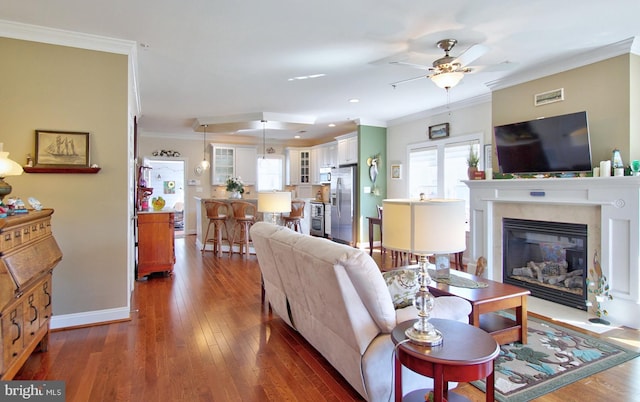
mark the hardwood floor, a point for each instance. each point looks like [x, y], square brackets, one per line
[203, 335]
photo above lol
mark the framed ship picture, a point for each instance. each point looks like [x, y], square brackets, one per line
[61, 149]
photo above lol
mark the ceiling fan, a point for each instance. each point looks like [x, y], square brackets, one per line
[446, 71]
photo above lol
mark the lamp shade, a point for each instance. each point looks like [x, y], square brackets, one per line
[274, 201]
[435, 226]
[447, 80]
[7, 166]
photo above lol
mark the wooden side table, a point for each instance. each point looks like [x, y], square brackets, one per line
[466, 354]
[495, 297]
[374, 221]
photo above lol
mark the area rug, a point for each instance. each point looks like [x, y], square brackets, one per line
[553, 357]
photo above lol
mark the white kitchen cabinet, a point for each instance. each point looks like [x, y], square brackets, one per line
[331, 154]
[316, 156]
[298, 166]
[323, 156]
[348, 150]
[233, 161]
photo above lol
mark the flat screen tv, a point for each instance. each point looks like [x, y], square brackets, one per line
[558, 144]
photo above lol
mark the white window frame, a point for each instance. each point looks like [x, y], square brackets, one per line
[440, 146]
[271, 156]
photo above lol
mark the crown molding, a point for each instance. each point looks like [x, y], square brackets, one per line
[370, 122]
[53, 36]
[462, 104]
[60, 37]
[629, 45]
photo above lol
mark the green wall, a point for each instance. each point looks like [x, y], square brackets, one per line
[372, 141]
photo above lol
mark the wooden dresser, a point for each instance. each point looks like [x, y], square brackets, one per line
[28, 254]
[156, 252]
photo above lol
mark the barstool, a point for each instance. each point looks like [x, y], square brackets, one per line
[295, 216]
[244, 214]
[217, 214]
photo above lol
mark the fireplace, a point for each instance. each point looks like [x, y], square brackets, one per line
[548, 258]
[609, 206]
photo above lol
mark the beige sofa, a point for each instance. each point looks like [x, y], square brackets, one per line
[336, 298]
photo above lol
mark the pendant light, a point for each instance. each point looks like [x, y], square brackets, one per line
[204, 164]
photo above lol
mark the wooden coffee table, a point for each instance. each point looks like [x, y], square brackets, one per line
[466, 354]
[486, 301]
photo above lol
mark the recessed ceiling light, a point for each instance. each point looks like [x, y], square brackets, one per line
[332, 125]
[354, 100]
[306, 77]
[296, 137]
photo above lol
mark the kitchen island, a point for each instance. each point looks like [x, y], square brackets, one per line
[202, 222]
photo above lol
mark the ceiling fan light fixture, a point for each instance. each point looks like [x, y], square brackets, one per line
[446, 80]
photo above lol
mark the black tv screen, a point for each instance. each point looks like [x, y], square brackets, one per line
[545, 145]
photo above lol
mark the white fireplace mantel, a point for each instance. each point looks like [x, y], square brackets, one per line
[615, 199]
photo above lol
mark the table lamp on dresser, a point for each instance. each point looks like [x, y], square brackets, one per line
[8, 167]
[424, 227]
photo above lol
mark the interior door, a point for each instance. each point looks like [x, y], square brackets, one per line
[167, 178]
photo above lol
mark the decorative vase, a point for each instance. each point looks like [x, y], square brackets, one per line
[471, 171]
[235, 195]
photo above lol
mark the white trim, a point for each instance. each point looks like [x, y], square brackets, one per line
[439, 146]
[545, 69]
[90, 317]
[53, 36]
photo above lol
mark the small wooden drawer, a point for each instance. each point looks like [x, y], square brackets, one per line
[6, 241]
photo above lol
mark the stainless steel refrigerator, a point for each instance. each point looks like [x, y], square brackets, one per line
[343, 204]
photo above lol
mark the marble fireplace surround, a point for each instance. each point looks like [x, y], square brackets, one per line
[609, 206]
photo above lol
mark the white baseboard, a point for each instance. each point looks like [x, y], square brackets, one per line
[90, 318]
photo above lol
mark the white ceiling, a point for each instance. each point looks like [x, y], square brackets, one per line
[220, 61]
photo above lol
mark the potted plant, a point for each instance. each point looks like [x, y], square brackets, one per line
[235, 187]
[472, 162]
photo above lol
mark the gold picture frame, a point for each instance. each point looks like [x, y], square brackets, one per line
[396, 171]
[62, 149]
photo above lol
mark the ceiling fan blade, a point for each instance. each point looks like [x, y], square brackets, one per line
[404, 63]
[471, 54]
[394, 84]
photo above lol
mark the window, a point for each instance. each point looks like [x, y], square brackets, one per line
[438, 169]
[270, 173]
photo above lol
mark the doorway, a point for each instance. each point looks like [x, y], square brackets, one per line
[167, 178]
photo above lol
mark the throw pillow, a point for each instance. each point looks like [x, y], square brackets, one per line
[403, 285]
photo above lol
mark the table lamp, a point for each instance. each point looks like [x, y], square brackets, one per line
[424, 227]
[274, 202]
[7, 168]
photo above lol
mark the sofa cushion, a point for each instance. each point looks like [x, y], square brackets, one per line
[403, 285]
[371, 287]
